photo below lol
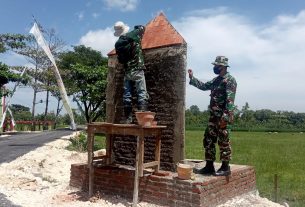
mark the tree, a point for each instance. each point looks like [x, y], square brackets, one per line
[245, 108]
[195, 109]
[9, 42]
[263, 115]
[195, 118]
[247, 114]
[43, 78]
[36, 57]
[21, 112]
[85, 73]
[19, 108]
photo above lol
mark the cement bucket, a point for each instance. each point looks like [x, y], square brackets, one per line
[184, 171]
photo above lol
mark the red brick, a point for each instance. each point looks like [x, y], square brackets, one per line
[160, 185]
[159, 194]
[183, 204]
[196, 190]
[167, 190]
[183, 182]
[154, 178]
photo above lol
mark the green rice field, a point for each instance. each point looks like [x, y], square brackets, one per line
[270, 153]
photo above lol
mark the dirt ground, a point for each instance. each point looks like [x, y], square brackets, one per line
[41, 178]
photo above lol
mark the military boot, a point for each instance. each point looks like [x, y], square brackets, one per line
[128, 114]
[224, 170]
[207, 170]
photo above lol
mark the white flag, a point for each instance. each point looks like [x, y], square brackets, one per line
[4, 115]
[42, 43]
[3, 118]
[7, 104]
[12, 118]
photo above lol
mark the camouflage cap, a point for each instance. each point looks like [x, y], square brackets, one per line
[221, 60]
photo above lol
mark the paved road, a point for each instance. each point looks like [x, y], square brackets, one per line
[17, 145]
[6, 203]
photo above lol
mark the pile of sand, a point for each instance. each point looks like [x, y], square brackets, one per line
[41, 178]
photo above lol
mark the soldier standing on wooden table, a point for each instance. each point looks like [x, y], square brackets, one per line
[129, 50]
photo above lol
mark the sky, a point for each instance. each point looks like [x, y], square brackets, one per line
[264, 41]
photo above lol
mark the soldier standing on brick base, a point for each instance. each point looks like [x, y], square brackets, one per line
[223, 89]
[131, 56]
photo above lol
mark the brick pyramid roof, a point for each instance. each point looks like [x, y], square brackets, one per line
[159, 33]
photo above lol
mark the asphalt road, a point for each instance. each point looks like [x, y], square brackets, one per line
[14, 146]
[19, 144]
[6, 203]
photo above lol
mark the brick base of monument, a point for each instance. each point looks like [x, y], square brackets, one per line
[167, 190]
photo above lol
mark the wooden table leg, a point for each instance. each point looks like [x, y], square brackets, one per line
[90, 161]
[136, 177]
[141, 157]
[157, 152]
[109, 145]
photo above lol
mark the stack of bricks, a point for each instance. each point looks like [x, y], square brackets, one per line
[168, 190]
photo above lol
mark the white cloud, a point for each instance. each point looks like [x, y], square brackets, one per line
[102, 40]
[95, 15]
[266, 60]
[80, 16]
[123, 5]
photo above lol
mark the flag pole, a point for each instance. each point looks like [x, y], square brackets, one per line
[42, 43]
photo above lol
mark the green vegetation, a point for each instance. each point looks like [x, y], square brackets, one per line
[270, 153]
[263, 120]
[11, 42]
[79, 142]
[49, 179]
[22, 114]
[84, 72]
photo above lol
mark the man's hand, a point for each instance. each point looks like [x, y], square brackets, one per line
[190, 73]
[225, 120]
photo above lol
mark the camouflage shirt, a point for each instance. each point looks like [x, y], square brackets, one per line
[137, 61]
[223, 91]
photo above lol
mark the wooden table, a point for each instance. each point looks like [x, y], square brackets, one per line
[124, 129]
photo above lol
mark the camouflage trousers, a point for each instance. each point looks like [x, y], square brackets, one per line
[217, 133]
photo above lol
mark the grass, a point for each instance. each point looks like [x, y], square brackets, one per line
[79, 142]
[100, 142]
[270, 153]
[49, 179]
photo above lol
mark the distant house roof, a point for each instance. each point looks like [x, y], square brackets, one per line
[159, 33]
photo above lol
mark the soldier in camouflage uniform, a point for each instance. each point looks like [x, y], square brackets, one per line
[134, 70]
[223, 89]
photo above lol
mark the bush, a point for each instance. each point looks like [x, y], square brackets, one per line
[80, 142]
